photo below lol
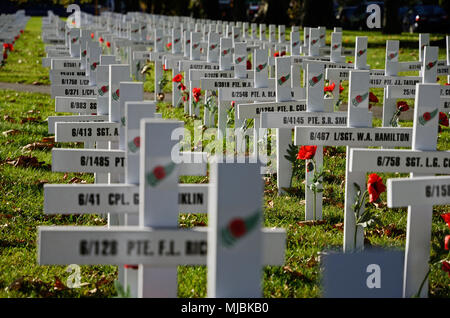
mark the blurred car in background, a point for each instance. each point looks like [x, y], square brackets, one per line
[355, 18]
[426, 18]
[252, 10]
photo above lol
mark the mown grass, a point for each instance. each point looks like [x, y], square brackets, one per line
[21, 207]
[24, 64]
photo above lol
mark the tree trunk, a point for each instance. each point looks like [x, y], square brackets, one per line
[117, 5]
[210, 9]
[239, 10]
[157, 7]
[277, 12]
[391, 22]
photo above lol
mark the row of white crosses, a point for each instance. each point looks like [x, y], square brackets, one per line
[421, 160]
[234, 36]
[281, 120]
[274, 115]
[433, 69]
[86, 128]
[243, 81]
[354, 135]
[77, 160]
[11, 26]
[322, 88]
[233, 239]
[283, 174]
[361, 160]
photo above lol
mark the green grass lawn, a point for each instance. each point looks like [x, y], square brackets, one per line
[21, 206]
[24, 64]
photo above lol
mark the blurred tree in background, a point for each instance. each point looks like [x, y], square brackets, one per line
[391, 20]
[288, 12]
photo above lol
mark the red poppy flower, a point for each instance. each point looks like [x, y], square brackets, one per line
[446, 218]
[159, 172]
[249, 65]
[185, 98]
[237, 227]
[329, 88]
[137, 141]
[108, 44]
[341, 88]
[233, 103]
[446, 267]
[169, 45]
[447, 242]
[196, 93]
[350, 62]
[276, 54]
[177, 78]
[402, 106]
[359, 98]
[306, 152]
[283, 53]
[181, 87]
[101, 40]
[427, 116]
[443, 119]
[21, 31]
[448, 84]
[373, 98]
[375, 187]
[8, 47]
[92, 35]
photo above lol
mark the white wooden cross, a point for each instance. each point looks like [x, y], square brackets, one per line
[422, 160]
[419, 194]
